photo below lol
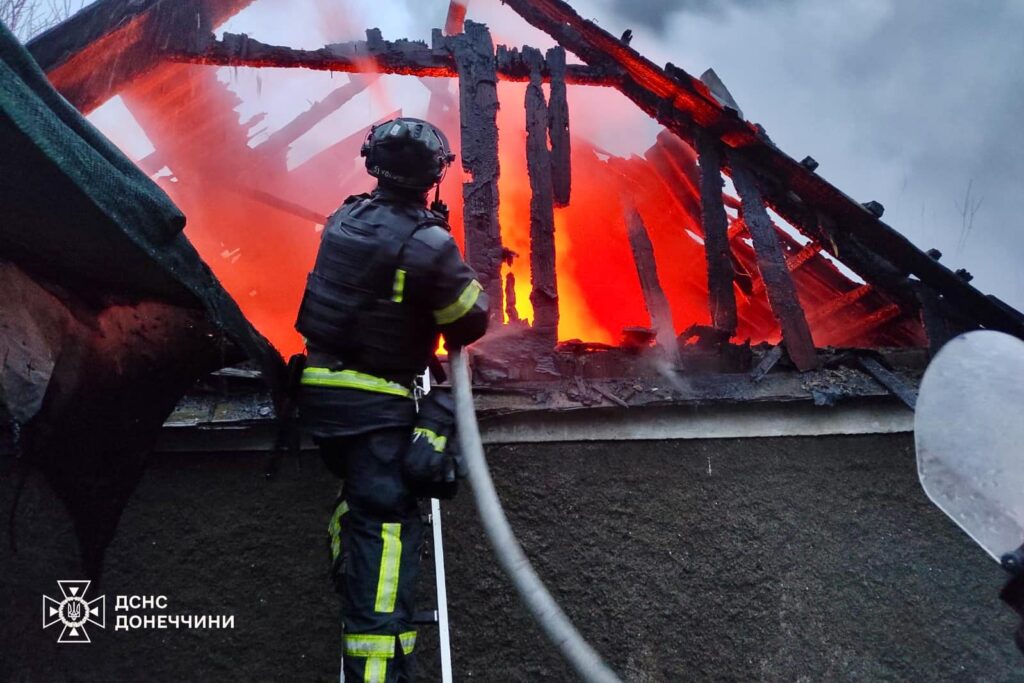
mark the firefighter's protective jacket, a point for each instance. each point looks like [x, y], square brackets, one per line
[388, 280]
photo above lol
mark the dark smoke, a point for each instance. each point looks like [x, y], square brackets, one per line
[908, 102]
[652, 13]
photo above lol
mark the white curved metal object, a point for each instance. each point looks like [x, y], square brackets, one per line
[969, 433]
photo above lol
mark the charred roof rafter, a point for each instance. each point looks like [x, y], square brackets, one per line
[158, 30]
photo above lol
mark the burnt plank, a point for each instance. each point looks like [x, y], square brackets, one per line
[405, 57]
[940, 323]
[647, 270]
[802, 257]
[840, 303]
[936, 323]
[478, 109]
[544, 293]
[869, 324]
[98, 51]
[274, 201]
[721, 297]
[768, 361]
[510, 298]
[282, 138]
[558, 127]
[770, 261]
[899, 387]
[456, 18]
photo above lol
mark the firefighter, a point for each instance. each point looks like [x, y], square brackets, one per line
[388, 280]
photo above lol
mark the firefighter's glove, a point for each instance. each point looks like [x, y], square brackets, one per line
[433, 465]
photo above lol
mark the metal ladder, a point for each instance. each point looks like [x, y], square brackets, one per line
[439, 615]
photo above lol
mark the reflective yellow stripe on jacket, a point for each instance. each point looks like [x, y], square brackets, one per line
[352, 379]
[460, 306]
[398, 291]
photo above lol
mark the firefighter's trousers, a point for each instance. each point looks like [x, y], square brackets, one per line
[376, 535]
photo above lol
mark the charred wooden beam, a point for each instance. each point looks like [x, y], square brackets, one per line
[898, 386]
[323, 168]
[768, 361]
[801, 258]
[283, 137]
[682, 103]
[478, 109]
[99, 50]
[869, 324]
[406, 57]
[721, 297]
[558, 127]
[940, 323]
[409, 57]
[510, 298]
[841, 303]
[676, 178]
[456, 17]
[275, 202]
[770, 261]
[647, 270]
[544, 292]
[936, 322]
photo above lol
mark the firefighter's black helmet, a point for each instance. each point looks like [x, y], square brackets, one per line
[407, 152]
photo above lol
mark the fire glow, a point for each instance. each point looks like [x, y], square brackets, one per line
[254, 220]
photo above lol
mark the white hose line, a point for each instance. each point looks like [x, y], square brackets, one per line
[560, 631]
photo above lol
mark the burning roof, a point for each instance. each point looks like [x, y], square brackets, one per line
[594, 257]
[586, 251]
[580, 244]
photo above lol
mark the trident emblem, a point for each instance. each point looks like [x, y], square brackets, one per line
[74, 611]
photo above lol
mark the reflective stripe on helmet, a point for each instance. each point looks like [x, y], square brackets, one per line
[460, 306]
[352, 379]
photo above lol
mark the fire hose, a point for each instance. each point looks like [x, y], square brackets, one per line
[532, 592]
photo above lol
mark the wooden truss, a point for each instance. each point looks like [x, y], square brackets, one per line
[87, 59]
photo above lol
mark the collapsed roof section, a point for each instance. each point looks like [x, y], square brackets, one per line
[704, 265]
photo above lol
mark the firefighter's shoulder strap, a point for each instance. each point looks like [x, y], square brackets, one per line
[389, 255]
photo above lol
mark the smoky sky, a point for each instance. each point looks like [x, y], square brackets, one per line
[652, 13]
[908, 102]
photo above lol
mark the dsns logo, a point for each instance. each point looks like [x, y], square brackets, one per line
[74, 611]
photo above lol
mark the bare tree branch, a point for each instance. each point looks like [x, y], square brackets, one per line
[26, 18]
[968, 210]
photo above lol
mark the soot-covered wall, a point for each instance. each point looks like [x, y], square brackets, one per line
[772, 559]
